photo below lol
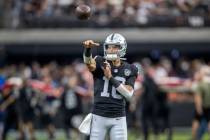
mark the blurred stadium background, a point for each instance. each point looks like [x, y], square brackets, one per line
[44, 83]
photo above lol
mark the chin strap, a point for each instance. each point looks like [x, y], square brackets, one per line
[112, 57]
[123, 58]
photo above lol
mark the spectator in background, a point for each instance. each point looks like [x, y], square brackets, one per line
[25, 105]
[202, 96]
[167, 67]
[65, 7]
[159, 72]
[84, 87]
[130, 8]
[183, 69]
[35, 70]
[71, 105]
[146, 8]
[183, 5]
[163, 114]
[155, 102]
[37, 8]
[37, 13]
[116, 8]
[101, 11]
[199, 7]
[149, 104]
[8, 108]
[195, 123]
[49, 106]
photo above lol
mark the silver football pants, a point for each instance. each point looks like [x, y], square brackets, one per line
[115, 128]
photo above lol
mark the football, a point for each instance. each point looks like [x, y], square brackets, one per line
[83, 12]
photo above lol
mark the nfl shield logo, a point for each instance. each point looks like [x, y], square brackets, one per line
[115, 70]
[127, 72]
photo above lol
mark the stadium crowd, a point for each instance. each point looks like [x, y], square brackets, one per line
[106, 13]
[51, 96]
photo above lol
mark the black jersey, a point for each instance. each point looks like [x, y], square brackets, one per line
[71, 101]
[107, 101]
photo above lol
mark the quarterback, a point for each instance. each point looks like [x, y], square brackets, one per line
[113, 84]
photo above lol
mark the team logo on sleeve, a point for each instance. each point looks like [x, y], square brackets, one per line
[127, 72]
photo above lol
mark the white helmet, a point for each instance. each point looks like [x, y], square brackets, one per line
[115, 39]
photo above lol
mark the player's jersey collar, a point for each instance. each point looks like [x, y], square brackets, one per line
[117, 67]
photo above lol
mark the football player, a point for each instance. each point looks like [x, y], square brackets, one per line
[113, 85]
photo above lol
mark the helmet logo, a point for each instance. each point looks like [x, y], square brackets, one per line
[112, 37]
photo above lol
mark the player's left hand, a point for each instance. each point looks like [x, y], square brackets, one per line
[107, 70]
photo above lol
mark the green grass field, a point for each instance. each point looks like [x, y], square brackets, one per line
[177, 135]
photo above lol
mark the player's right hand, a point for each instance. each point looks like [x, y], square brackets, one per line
[107, 70]
[90, 44]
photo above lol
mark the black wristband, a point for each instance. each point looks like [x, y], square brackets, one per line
[114, 82]
[87, 52]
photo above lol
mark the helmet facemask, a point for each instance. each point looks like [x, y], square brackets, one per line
[112, 55]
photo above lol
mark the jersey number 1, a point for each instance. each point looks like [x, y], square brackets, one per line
[105, 92]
